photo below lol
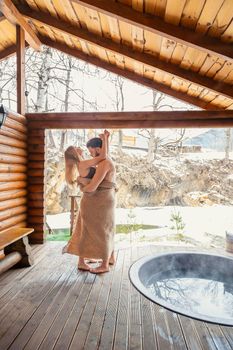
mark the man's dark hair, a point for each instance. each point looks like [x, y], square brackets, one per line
[95, 142]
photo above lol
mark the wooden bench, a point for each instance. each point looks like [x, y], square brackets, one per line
[17, 251]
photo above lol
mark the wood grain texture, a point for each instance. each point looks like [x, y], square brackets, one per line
[70, 309]
[14, 16]
[129, 74]
[164, 28]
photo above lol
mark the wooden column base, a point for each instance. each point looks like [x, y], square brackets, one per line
[21, 246]
[9, 261]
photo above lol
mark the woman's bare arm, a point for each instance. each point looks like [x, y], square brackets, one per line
[99, 176]
[82, 181]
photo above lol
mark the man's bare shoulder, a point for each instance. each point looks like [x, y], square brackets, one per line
[108, 163]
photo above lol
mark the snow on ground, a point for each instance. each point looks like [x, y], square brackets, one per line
[199, 221]
[206, 154]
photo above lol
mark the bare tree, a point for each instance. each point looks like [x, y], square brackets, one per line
[155, 141]
[66, 101]
[43, 80]
[8, 82]
[157, 98]
[118, 102]
[228, 143]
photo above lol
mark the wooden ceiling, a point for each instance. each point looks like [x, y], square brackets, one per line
[183, 48]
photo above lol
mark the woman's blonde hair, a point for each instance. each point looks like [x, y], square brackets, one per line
[71, 162]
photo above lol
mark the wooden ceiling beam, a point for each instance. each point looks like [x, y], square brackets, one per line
[131, 124]
[133, 115]
[14, 16]
[9, 51]
[2, 17]
[149, 60]
[181, 96]
[158, 26]
[126, 120]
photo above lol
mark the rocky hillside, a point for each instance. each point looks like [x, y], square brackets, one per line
[213, 139]
[168, 181]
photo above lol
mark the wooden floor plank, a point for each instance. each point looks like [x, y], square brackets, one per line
[218, 337]
[122, 322]
[109, 324]
[32, 296]
[71, 324]
[15, 275]
[149, 337]
[135, 332]
[93, 338]
[63, 314]
[37, 327]
[85, 321]
[228, 332]
[17, 289]
[175, 332]
[52, 306]
[162, 330]
[16, 293]
[59, 294]
[204, 336]
[190, 333]
[10, 276]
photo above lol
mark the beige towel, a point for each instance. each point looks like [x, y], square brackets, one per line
[93, 235]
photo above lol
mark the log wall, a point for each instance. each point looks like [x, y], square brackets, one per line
[13, 172]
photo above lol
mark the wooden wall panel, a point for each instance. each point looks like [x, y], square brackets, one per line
[36, 186]
[13, 172]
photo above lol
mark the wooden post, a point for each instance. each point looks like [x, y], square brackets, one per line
[20, 53]
[36, 184]
[73, 211]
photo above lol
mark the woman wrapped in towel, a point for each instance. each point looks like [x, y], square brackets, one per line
[93, 234]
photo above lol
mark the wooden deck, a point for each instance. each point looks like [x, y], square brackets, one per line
[53, 306]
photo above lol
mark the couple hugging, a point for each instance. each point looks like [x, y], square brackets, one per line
[93, 235]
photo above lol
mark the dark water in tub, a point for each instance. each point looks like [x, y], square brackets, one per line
[201, 296]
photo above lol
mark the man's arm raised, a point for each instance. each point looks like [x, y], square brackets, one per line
[86, 164]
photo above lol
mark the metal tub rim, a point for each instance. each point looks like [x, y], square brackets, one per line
[137, 268]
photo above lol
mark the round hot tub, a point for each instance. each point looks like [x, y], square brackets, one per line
[197, 285]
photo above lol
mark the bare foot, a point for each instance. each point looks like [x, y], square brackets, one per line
[83, 267]
[100, 269]
[112, 259]
[92, 261]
